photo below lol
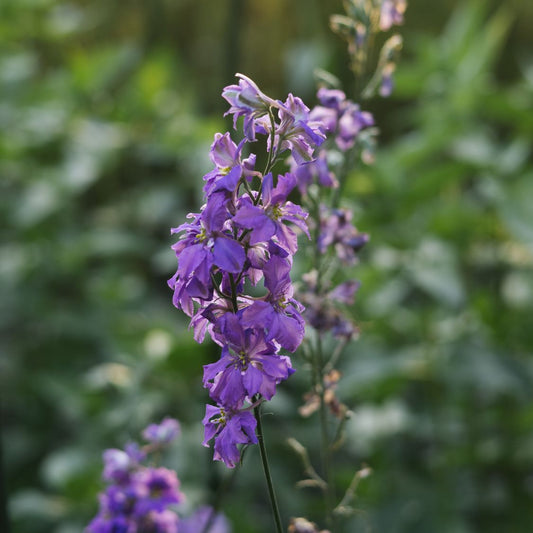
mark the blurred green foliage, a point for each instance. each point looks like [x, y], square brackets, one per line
[107, 111]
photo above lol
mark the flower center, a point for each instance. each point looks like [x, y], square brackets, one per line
[202, 236]
[276, 212]
[282, 303]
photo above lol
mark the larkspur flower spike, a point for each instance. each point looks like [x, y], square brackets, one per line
[246, 231]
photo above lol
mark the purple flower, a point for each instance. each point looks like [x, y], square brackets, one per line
[207, 242]
[157, 488]
[266, 222]
[315, 170]
[228, 427]
[340, 117]
[278, 313]
[336, 229]
[297, 132]
[137, 497]
[229, 168]
[249, 365]
[119, 464]
[248, 101]
[162, 433]
[321, 306]
[203, 516]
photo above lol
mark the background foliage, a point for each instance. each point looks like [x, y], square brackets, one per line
[107, 110]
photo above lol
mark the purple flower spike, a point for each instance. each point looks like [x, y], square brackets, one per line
[228, 428]
[162, 433]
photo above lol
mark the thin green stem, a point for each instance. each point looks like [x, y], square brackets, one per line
[266, 469]
[324, 434]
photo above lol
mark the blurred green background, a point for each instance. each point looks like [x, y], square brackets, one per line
[107, 111]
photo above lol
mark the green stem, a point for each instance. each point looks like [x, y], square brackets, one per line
[266, 469]
[324, 436]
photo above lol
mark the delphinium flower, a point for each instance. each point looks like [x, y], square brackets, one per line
[342, 117]
[345, 126]
[138, 498]
[337, 231]
[245, 232]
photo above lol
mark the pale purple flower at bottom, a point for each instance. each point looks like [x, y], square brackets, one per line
[229, 428]
[203, 516]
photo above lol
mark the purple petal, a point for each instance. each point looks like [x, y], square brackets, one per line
[228, 254]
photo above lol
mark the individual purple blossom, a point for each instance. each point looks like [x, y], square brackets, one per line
[162, 433]
[317, 170]
[206, 242]
[340, 117]
[226, 156]
[297, 131]
[322, 310]
[228, 427]
[249, 365]
[337, 230]
[278, 312]
[391, 13]
[266, 221]
[157, 488]
[247, 100]
[118, 464]
[201, 518]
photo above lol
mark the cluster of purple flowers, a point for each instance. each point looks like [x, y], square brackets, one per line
[343, 121]
[137, 498]
[246, 233]
[140, 499]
